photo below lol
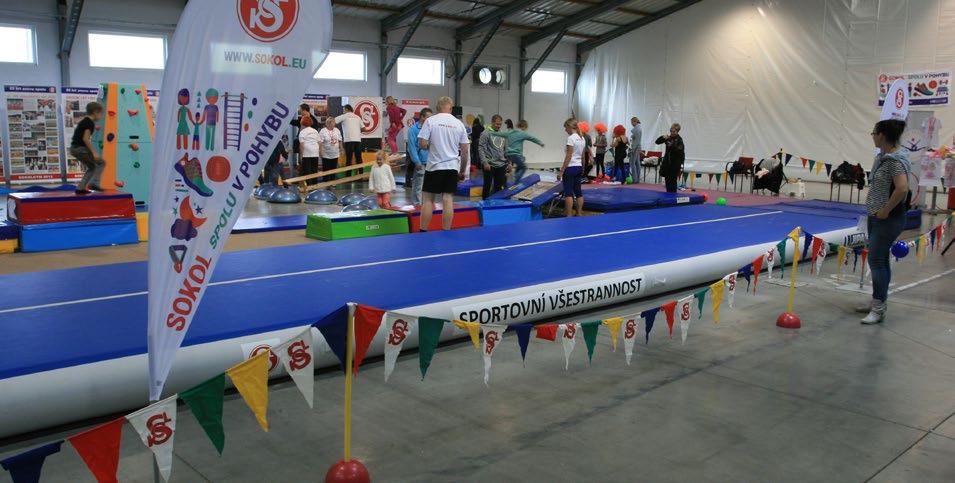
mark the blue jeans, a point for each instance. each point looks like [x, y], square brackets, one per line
[635, 165]
[520, 167]
[417, 184]
[882, 234]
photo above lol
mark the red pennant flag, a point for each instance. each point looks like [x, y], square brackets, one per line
[711, 177]
[367, 321]
[547, 332]
[816, 248]
[99, 448]
[938, 236]
[865, 254]
[757, 267]
[668, 309]
[804, 161]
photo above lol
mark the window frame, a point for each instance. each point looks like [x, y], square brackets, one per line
[364, 73]
[163, 37]
[33, 41]
[441, 83]
[563, 88]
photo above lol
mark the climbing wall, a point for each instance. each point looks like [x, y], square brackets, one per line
[125, 134]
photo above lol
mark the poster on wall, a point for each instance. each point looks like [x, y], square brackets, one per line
[369, 110]
[927, 88]
[153, 95]
[33, 133]
[73, 102]
[412, 109]
[318, 104]
[3, 163]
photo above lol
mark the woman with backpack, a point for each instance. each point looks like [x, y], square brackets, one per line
[886, 204]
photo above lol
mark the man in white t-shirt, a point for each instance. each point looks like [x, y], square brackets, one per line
[351, 132]
[446, 139]
[329, 142]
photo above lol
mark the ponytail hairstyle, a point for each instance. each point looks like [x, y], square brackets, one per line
[571, 123]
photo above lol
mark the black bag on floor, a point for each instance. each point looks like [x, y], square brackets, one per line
[843, 174]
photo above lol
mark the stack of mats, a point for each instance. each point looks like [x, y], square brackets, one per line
[465, 216]
[619, 198]
[355, 224]
[913, 218]
[503, 212]
[9, 236]
[471, 188]
[530, 189]
[61, 220]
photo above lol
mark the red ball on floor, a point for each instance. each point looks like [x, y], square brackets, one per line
[351, 471]
[788, 320]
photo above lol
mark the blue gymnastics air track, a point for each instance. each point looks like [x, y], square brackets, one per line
[65, 318]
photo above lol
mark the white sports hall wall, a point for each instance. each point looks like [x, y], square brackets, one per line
[544, 112]
[748, 77]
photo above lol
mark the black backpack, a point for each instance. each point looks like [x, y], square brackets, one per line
[844, 174]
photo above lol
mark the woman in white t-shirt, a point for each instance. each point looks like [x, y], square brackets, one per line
[330, 142]
[572, 171]
[309, 146]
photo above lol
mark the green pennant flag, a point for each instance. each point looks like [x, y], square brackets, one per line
[590, 336]
[205, 402]
[429, 330]
[718, 177]
[686, 176]
[700, 297]
[781, 247]
[812, 164]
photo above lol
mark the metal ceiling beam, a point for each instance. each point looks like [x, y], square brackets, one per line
[498, 14]
[573, 19]
[419, 16]
[543, 57]
[407, 11]
[631, 11]
[480, 48]
[374, 7]
[607, 37]
[73, 11]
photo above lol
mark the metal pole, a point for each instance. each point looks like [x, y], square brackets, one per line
[520, 83]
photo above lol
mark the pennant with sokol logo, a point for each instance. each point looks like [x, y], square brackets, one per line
[717, 298]
[568, 338]
[770, 257]
[473, 329]
[613, 325]
[730, 282]
[235, 73]
[491, 337]
[251, 378]
[99, 448]
[629, 337]
[156, 426]
[818, 254]
[684, 309]
[298, 358]
[398, 328]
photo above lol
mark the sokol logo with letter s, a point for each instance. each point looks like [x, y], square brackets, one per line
[267, 20]
[370, 115]
[159, 433]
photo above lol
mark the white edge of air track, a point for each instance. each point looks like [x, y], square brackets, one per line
[59, 396]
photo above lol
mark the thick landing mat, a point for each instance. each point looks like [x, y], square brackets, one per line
[57, 206]
[270, 223]
[619, 198]
[68, 317]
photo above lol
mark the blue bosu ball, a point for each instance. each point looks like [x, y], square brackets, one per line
[266, 192]
[900, 249]
[353, 207]
[285, 195]
[257, 192]
[369, 203]
[351, 198]
[321, 197]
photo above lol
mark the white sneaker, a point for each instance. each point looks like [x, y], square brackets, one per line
[876, 315]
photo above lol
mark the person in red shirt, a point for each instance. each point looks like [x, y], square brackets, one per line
[395, 116]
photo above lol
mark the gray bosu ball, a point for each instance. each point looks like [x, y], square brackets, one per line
[351, 198]
[369, 203]
[353, 207]
[321, 197]
[263, 191]
[285, 195]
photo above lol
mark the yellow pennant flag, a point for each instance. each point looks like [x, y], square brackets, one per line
[920, 253]
[819, 166]
[251, 379]
[473, 329]
[841, 258]
[794, 236]
[716, 290]
[614, 325]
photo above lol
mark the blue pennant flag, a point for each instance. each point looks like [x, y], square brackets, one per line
[334, 327]
[523, 336]
[649, 316]
[26, 466]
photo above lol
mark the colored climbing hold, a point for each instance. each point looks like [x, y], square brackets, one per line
[249, 115]
[122, 90]
[134, 146]
[132, 112]
[245, 127]
[111, 113]
[119, 184]
[136, 164]
[138, 91]
[110, 137]
[255, 101]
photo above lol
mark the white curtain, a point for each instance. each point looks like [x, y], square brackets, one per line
[750, 77]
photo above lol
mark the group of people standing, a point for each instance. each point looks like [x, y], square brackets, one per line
[320, 149]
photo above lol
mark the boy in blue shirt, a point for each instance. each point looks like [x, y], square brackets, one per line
[419, 157]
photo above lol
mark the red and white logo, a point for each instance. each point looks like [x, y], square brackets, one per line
[370, 115]
[631, 329]
[685, 311]
[159, 432]
[300, 355]
[273, 359]
[490, 340]
[899, 99]
[267, 20]
[399, 330]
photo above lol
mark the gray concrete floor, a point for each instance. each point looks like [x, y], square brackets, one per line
[741, 401]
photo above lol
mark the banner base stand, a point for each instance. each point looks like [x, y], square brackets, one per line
[351, 471]
[788, 320]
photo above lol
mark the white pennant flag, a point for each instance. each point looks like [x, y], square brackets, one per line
[821, 257]
[567, 334]
[236, 71]
[771, 257]
[730, 283]
[490, 339]
[629, 336]
[398, 328]
[298, 358]
[156, 426]
[684, 309]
